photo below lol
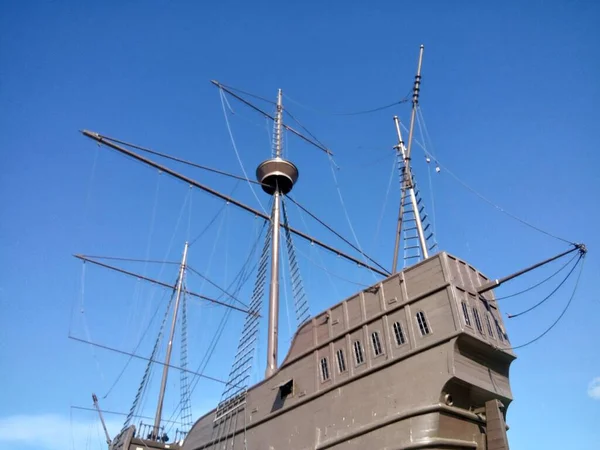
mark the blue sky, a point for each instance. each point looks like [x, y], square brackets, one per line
[509, 96]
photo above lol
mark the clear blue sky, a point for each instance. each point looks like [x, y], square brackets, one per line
[510, 94]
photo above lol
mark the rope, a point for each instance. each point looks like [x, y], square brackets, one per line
[133, 352]
[511, 316]
[179, 160]
[582, 260]
[422, 126]
[540, 283]
[354, 113]
[346, 214]
[357, 248]
[485, 199]
[385, 200]
[237, 154]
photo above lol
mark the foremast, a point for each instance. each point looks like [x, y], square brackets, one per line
[165, 374]
[407, 179]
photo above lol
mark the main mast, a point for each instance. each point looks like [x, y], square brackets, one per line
[163, 384]
[277, 177]
[407, 181]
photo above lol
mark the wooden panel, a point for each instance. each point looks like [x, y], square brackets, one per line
[424, 277]
[372, 301]
[302, 341]
[322, 324]
[338, 320]
[354, 311]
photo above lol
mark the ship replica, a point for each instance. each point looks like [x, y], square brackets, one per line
[420, 359]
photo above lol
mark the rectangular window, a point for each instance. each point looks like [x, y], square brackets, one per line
[499, 330]
[341, 360]
[376, 343]
[465, 311]
[358, 353]
[423, 325]
[489, 324]
[399, 334]
[324, 370]
[477, 320]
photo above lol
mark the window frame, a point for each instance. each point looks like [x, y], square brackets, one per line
[466, 316]
[324, 365]
[423, 323]
[398, 332]
[477, 318]
[360, 354]
[376, 344]
[341, 360]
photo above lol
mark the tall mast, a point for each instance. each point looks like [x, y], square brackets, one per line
[277, 177]
[408, 182]
[163, 384]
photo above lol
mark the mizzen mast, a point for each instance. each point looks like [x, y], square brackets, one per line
[277, 177]
[408, 185]
[163, 383]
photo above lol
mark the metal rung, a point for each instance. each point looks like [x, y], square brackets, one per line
[412, 246]
[410, 229]
[427, 227]
[430, 235]
[424, 218]
[433, 246]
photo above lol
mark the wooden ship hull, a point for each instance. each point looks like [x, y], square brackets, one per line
[430, 372]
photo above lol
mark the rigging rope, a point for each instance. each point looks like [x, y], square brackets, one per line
[511, 316]
[142, 386]
[300, 300]
[353, 113]
[176, 159]
[540, 283]
[241, 277]
[237, 154]
[355, 247]
[385, 201]
[337, 186]
[485, 199]
[425, 136]
[582, 260]
[133, 352]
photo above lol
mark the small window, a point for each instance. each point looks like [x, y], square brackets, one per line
[324, 370]
[341, 360]
[477, 320]
[423, 325]
[489, 325]
[376, 343]
[358, 353]
[465, 311]
[499, 330]
[399, 334]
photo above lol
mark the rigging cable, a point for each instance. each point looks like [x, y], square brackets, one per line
[355, 247]
[237, 154]
[241, 277]
[582, 260]
[511, 316]
[84, 320]
[307, 257]
[354, 113]
[176, 159]
[425, 136]
[385, 200]
[540, 283]
[485, 199]
[337, 186]
[134, 351]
